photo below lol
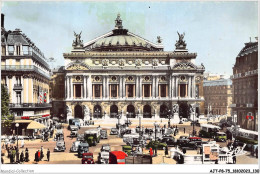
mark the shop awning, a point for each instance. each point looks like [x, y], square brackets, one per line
[22, 121]
[35, 125]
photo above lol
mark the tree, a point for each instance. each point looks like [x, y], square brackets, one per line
[6, 116]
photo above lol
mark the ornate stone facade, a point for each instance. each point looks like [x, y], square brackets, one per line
[129, 75]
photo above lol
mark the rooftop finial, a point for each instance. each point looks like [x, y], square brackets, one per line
[180, 44]
[118, 22]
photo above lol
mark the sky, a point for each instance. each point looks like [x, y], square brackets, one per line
[216, 31]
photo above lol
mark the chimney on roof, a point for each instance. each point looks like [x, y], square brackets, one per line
[2, 20]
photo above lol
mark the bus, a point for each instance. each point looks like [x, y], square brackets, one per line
[117, 157]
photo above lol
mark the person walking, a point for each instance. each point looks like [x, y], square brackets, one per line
[11, 156]
[36, 159]
[42, 155]
[22, 157]
[166, 151]
[256, 152]
[151, 151]
[234, 159]
[17, 156]
[39, 155]
[26, 155]
[184, 130]
[48, 155]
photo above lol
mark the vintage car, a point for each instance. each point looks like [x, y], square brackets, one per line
[87, 158]
[114, 131]
[103, 156]
[59, 135]
[169, 140]
[82, 148]
[221, 136]
[74, 131]
[74, 147]
[74, 122]
[105, 147]
[80, 137]
[60, 146]
[103, 133]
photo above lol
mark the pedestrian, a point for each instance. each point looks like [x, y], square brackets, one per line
[17, 156]
[151, 151]
[42, 155]
[2, 160]
[11, 156]
[234, 159]
[48, 155]
[166, 151]
[184, 130]
[39, 155]
[184, 151]
[256, 152]
[8, 152]
[26, 155]
[22, 157]
[36, 159]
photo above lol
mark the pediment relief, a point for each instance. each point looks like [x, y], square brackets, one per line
[77, 66]
[184, 66]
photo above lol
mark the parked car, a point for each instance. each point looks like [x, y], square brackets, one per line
[221, 136]
[87, 158]
[114, 131]
[103, 133]
[74, 122]
[59, 135]
[80, 137]
[103, 156]
[74, 131]
[60, 146]
[82, 148]
[169, 140]
[74, 147]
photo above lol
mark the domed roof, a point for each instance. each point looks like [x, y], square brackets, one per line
[121, 40]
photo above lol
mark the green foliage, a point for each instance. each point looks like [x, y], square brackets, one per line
[6, 116]
[156, 144]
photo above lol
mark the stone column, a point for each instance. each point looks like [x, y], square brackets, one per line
[104, 86]
[193, 86]
[123, 78]
[140, 87]
[120, 87]
[89, 87]
[153, 85]
[136, 86]
[107, 86]
[156, 86]
[173, 86]
[176, 87]
[189, 87]
[84, 87]
[170, 88]
[71, 87]
[68, 83]
[66, 87]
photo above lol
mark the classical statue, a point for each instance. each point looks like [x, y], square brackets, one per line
[191, 108]
[159, 39]
[180, 44]
[175, 108]
[77, 42]
[68, 110]
[86, 111]
[118, 22]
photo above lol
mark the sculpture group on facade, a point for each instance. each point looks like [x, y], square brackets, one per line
[77, 42]
[180, 44]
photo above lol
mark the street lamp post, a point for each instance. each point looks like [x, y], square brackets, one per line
[17, 125]
[155, 126]
[169, 117]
